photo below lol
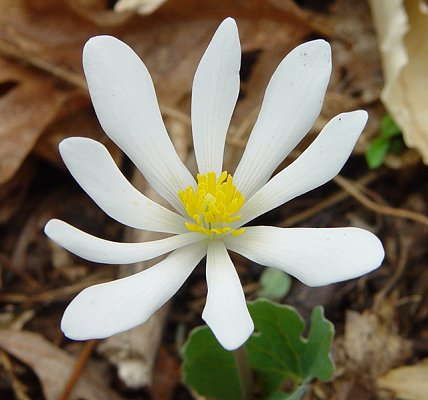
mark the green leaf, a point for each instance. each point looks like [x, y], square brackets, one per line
[274, 283]
[376, 152]
[274, 350]
[388, 127]
[315, 359]
[387, 141]
[209, 368]
[277, 353]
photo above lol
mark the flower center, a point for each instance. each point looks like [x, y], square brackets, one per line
[214, 205]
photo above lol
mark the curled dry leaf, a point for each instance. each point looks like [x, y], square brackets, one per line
[408, 382]
[53, 367]
[402, 28]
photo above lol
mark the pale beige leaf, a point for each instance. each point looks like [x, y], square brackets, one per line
[402, 28]
[53, 367]
[408, 382]
[143, 7]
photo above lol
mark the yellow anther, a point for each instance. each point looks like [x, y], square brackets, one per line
[214, 205]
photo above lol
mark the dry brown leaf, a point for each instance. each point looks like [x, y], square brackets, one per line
[408, 383]
[402, 28]
[25, 111]
[53, 367]
[79, 120]
[371, 345]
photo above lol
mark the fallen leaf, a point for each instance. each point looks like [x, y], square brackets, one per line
[53, 367]
[143, 7]
[25, 111]
[371, 343]
[408, 383]
[402, 29]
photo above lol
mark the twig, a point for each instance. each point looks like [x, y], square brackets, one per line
[355, 192]
[9, 50]
[328, 202]
[84, 355]
[54, 294]
[401, 265]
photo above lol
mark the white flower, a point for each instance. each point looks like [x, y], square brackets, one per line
[209, 214]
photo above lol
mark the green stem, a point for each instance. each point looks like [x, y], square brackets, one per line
[244, 373]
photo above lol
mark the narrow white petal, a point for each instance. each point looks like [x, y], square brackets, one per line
[214, 94]
[96, 172]
[319, 163]
[109, 308]
[292, 102]
[226, 311]
[315, 256]
[125, 102]
[104, 251]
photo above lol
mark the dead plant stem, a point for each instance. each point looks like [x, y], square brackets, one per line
[84, 355]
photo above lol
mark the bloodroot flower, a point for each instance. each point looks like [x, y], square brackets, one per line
[212, 211]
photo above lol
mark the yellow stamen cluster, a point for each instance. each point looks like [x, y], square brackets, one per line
[214, 205]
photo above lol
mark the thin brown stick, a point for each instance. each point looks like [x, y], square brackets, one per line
[11, 51]
[401, 266]
[352, 188]
[54, 294]
[328, 202]
[84, 355]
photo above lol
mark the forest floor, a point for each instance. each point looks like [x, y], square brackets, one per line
[381, 319]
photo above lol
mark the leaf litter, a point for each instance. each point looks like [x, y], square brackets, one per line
[380, 319]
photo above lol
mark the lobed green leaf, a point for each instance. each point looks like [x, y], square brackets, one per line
[277, 353]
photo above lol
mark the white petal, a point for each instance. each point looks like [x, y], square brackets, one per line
[104, 251]
[318, 164]
[226, 311]
[214, 94]
[109, 308]
[315, 256]
[292, 102]
[96, 172]
[125, 102]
